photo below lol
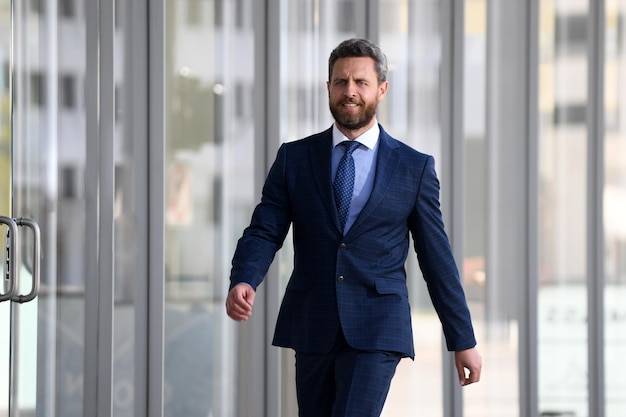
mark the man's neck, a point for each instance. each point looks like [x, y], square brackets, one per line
[355, 133]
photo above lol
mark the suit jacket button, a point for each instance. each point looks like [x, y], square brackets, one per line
[343, 246]
[340, 278]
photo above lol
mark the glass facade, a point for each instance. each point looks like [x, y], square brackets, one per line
[138, 134]
[563, 196]
[5, 195]
[614, 203]
[209, 193]
[489, 193]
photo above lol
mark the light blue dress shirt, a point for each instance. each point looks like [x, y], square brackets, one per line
[364, 168]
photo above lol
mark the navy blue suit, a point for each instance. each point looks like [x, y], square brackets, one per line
[355, 282]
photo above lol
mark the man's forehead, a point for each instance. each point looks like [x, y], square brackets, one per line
[353, 66]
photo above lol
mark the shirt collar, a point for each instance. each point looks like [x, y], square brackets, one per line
[368, 138]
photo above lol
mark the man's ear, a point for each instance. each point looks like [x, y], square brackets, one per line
[382, 90]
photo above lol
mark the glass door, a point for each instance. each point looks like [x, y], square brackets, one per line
[19, 233]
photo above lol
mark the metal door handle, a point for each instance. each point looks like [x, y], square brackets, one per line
[10, 273]
[34, 291]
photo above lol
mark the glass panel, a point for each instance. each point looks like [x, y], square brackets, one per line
[312, 29]
[562, 297]
[5, 108]
[64, 289]
[410, 37]
[5, 192]
[127, 220]
[30, 111]
[494, 177]
[209, 195]
[615, 205]
[475, 205]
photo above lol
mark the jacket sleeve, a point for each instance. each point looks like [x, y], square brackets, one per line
[437, 263]
[268, 228]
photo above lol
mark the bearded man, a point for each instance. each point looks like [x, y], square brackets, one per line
[354, 196]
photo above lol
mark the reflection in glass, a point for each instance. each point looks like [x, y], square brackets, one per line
[615, 205]
[563, 141]
[209, 195]
[29, 108]
[490, 284]
[125, 218]
[5, 191]
[64, 284]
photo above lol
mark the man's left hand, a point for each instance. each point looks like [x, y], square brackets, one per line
[468, 359]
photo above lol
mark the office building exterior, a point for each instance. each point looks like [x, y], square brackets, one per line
[135, 137]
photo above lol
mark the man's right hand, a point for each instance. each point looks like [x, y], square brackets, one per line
[239, 302]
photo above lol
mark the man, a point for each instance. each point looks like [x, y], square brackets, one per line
[346, 311]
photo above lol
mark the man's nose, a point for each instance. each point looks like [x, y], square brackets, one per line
[350, 89]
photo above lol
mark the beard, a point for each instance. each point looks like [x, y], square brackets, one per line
[353, 120]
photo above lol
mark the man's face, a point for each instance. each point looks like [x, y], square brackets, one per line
[354, 93]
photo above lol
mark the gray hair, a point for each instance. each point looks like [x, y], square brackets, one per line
[352, 48]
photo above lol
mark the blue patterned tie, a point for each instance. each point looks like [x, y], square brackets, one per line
[344, 181]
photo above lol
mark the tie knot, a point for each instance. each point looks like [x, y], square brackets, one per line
[350, 145]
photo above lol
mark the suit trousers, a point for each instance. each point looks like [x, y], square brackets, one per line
[345, 382]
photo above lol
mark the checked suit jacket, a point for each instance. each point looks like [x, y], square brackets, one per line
[357, 281]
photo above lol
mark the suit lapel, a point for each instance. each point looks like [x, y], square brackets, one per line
[386, 164]
[320, 158]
